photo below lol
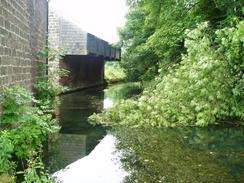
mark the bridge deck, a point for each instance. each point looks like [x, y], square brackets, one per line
[68, 36]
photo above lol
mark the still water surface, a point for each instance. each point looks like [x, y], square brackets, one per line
[180, 155]
[77, 138]
[150, 155]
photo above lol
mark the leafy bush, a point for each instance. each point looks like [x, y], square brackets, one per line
[153, 34]
[36, 172]
[7, 149]
[205, 88]
[5, 178]
[48, 86]
[14, 102]
[23, 128]
[114, 72]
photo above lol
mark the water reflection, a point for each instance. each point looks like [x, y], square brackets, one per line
[182, 155]
[194, 155]
[77, 138]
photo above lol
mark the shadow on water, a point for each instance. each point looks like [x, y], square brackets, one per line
[77, 138]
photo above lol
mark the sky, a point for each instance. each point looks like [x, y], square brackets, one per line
[99, 17]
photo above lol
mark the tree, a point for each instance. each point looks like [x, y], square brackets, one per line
[153, 36]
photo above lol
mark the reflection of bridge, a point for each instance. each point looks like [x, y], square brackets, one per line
[84, 53]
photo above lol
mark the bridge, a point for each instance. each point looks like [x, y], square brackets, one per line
[84, 53]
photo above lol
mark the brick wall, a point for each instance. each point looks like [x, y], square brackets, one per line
[22, 34]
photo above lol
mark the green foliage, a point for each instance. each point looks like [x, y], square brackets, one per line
[23, 128]
[18, 117]
[114, 72]
[136, 59]
[36, 172]
[14, 101]
[205, 88]
[5, 178]
[48, 86]
[153, 36]
[7, 149]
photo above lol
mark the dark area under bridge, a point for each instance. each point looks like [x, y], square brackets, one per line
[85, 54]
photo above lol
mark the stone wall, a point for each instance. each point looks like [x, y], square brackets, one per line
[23, 25]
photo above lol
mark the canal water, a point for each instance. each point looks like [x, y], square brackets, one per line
[150, 155]
[77, 138]
[182, 155]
